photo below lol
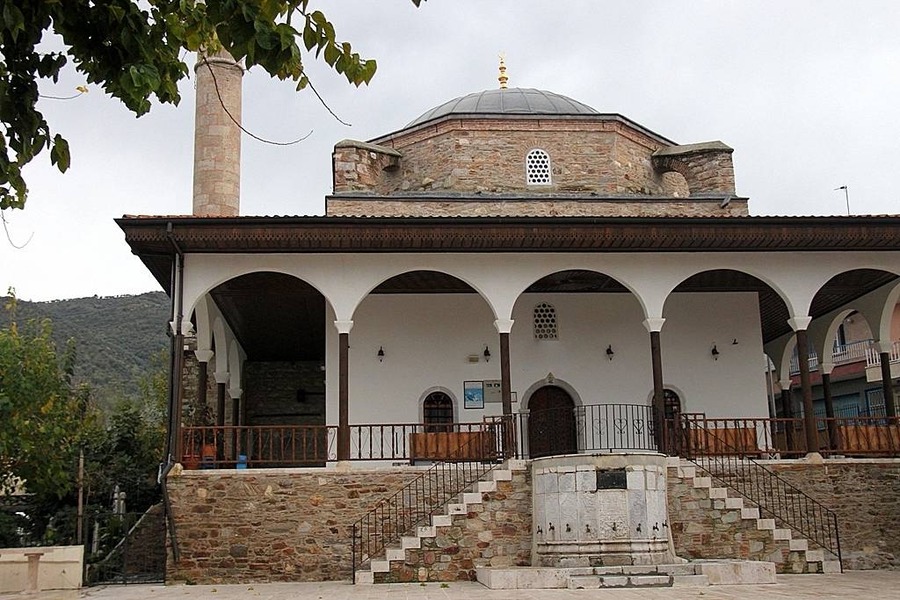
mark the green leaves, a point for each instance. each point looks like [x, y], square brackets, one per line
[134, 50]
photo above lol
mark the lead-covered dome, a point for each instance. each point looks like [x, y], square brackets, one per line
[511, 101]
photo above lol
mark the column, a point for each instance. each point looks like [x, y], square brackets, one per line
[504, 326]
[799, 325]
[343, 435]
[887, 386]
[177, 416]
[221, 383]
[235, 437]
[203, 358]
[787, 412]
[654, 326]
[826, 369]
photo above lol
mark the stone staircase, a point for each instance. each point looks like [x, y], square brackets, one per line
[378, 569]
[737, 518]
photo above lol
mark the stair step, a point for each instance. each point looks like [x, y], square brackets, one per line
[516, 464]
[703, 482]
[763, 524]
[781, 534]
[750, 513]
[441, 520]
[718, 492]
[734, 503]
[798, 545]
[456, 509]
[831, 566]
[486, 486]
[471, 497]
[815, 555]
[690, 581]
[426, 532]
[687, 472]
[502, 475]
[395, 554]
[365, 578]
[380, 566]
[410, 541]
[583, 582]
[650, 580]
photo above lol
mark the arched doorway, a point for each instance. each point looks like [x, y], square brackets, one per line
[437, 412]
[551, 422]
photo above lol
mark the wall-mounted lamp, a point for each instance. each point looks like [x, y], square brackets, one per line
[715, 352]
[380, 354]
[487, 354]
[609, 352]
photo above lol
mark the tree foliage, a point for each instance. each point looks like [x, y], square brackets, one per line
[41, 415]
[134, 49]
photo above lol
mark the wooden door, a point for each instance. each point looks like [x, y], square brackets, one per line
[551, 423]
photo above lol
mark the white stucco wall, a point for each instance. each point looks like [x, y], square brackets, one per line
[427, 339]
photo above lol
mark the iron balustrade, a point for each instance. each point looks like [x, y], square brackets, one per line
[590, 428]
[415, 504]
[775, 497]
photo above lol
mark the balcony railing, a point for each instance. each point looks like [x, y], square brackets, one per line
[873, 357]
[585, 429]
[842, 354]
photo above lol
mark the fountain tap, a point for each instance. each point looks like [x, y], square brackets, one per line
[639, 527]
[568, 528]
[587, 528]
[656, 527]
[665, 524]
[551, 528]
[539, 530]
[614, 526]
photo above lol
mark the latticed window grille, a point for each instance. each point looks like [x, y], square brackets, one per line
[537, 167]
[545, 324]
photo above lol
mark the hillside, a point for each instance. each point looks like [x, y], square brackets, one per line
[116, 337]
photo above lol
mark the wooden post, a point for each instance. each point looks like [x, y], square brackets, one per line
[887, 386]
[220, 421]
[809, 417]
[787, 411]
[343, 451]
[829, 410]
[506, 391]
[658, 392]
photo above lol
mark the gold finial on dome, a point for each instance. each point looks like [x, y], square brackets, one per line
[502, 78]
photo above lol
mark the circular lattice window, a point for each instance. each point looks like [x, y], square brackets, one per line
[545, 325]
[537, 167]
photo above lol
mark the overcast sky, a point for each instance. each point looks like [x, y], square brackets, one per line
[806, 92]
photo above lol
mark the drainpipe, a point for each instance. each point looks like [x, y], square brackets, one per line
[176, 359]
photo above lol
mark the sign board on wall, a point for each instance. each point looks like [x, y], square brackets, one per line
[492, 391]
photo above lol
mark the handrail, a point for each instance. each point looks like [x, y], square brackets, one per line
[775, 496]
[417, 501]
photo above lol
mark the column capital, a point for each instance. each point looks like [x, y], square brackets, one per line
[785, 384]
[826, 368]
[883, 346]
[343, 326]
[799, 323]
[235, 393]
[503, 325]
[222, 377]
[654, 324]
[204, 356]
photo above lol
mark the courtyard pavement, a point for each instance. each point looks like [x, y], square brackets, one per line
[870, 585]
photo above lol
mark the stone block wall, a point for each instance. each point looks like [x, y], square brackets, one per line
[865, 494]
[358, 166]
[495, 533]
[703, 528]
[237, 526]
[284, 393]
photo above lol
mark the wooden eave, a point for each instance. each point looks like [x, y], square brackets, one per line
[155, 238]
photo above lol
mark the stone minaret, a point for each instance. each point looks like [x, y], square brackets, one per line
[217, 139]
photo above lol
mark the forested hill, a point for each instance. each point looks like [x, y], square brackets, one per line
[116, 337]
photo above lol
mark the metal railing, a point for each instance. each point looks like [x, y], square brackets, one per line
[414, 505]
[590, 428]
[258, 446]
[873, 357]
[775, 497]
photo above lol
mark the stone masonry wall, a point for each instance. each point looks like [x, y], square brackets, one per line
[551, 207]
[865, 494]
[273, 525]
[495, 533]
[702, 528]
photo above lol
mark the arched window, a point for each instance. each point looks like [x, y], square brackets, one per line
[671, 404]
[437, 410]
[537, 167]
[545, 325]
